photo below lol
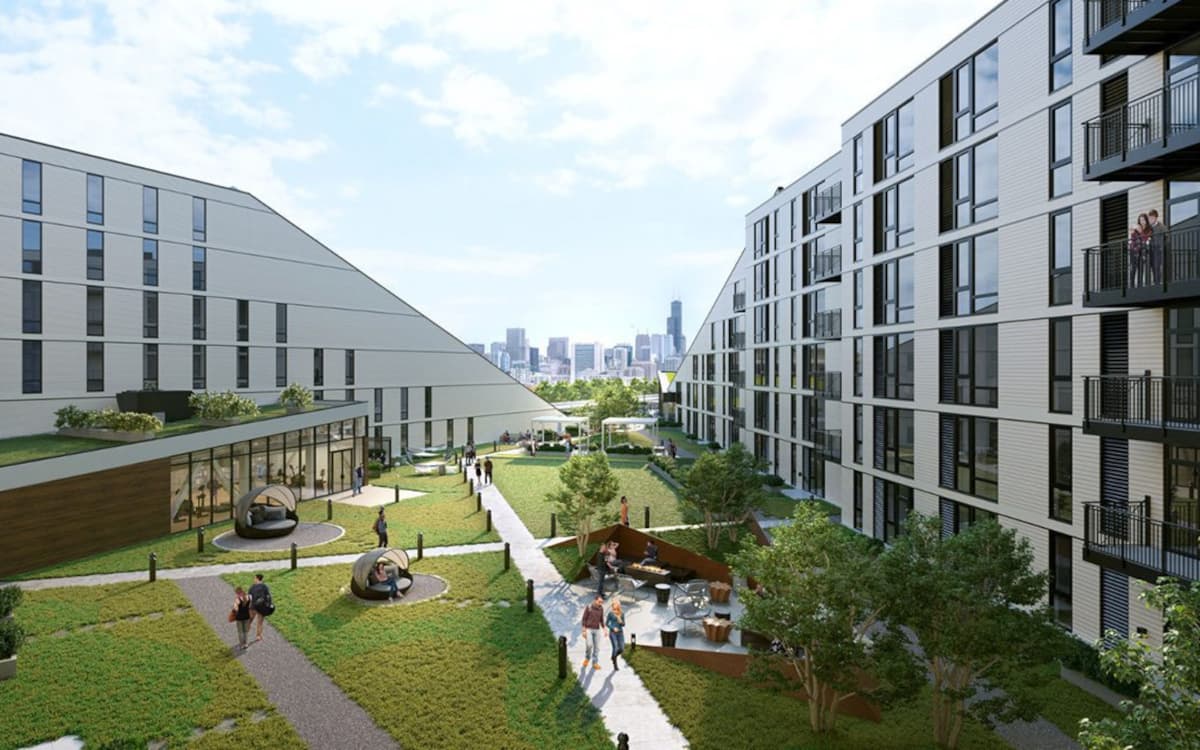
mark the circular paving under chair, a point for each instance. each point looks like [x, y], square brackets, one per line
[423, 588]
[305, 535]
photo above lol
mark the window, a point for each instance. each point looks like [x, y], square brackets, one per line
[31, 367]
[970, 450]
[795, 412]
[858, 366]
[893, 503]
[1060, 473]
[150, 210]
[858, 164]
[428, 401]
[428, 434]
[894, 440]
[95, 199]
[31, 187]
[150, 366]
[31, 246]
[859, 223]
[792, 217]
[1060, 149]
[95, 311]
[199, 269]
[969, 186]
[858, 501]
[858, 433]
[95, 255]
[31, 306]
[894, 142]
[894, 366]
[1060, 258]
[969, 366]
[403, 404]
[150, 262]
[1060, 365]
[349, 395]
[403, 438]
[243, 367]
[894, 217]
[318, 367]
[1061, 574]
[150, 315]
[761, 228]
[470, 429]
[958, 517]
[199, 219]
[762, 280]
[199, 366]
[95, 367]
[858, 298]
[970, 96]
[199, 318]
[349, 367]
[969, 276]
[1060, 44]
[281, 379]
[762, 324]
[243, 320]
[894, 296]
[761, 362]
[281, 323]
[379, 407]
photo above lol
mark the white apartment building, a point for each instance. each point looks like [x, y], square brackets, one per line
[944, 316]
[121, 277]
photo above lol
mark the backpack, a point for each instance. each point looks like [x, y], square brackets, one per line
[268, 607]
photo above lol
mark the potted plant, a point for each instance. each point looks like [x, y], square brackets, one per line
[124, 426]
[296, 398]
[11, 633]
[218, 409]
[10, 599]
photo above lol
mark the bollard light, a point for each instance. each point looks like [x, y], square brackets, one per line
[528, 594]
[329, 509]
[200, 539]
[562, 657]
[507, 557]
[632, 642]
[153, 567]
[622, 741]
[420, 545]
[489, 520]
[293, 555]
[647, 516]
[478, 501]
[553, 525]
[396, 495]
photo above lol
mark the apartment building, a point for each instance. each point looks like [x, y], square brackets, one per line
[944, 316]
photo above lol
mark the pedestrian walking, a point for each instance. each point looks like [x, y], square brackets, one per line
[616, 631]
[624, 511]
[487, 471]
[240, 615]
[672, 449]
[478, 474]
[261, 604]
[593, 624]
[357, 480]
[381, 529]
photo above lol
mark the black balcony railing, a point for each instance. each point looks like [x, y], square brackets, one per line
[1117, 273]
[1145, 407]
[1127, 538]
[737, 378]
[827, 324]
[1130, 140]
[831, 386]
[1106, 14]
[827, 264]
[739, 340]
[1136, 27]
[739, 301]
[827, 205]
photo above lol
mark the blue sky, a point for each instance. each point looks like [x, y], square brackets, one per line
[567, 167]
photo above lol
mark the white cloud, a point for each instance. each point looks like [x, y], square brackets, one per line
[382, 93]
[475, 106]
[737, 200]
[558, 181]
[698, 259]
[422, 56]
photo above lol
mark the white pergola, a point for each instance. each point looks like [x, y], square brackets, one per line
[541, 424]
[623, 422]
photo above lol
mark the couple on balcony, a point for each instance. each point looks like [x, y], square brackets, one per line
[1147, 246]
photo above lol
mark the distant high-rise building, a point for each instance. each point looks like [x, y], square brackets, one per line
[480, 348]
[496, 350]
[675, 326]
[558, 348]
[516, 345]
[501, 359]
[588, 357]
[533, 359]
[620, 357]
[661, 347]
[641, 347]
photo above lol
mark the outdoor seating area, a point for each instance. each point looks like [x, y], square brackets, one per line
[366, 581]
[266, 512]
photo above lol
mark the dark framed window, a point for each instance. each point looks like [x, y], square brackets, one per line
[958, 517]
[1061, 575]
[31, 306]
[243, 320]
[150, 262]
[1060, 258]
[150, 366]
[349, 395]
[858, 366]
[95, 255]
[970, 95]
[199, 268]
[859, 161]
[970, 186]
[199, 219]
[281, 377]
[199, 366]
[31, 186]
[1061, 495]
[403, 438]
[895, 298]
[95, 199]
[894, 366]
[969, 362]
[450, 432]
[1060, 44]
[762, 280]
[858, 501]
[281, 322]
[858, 433]
[428, 402]
[859, 234]
[894, 142]
[150, 210]
[428, 434]
[762, 359]
[243, 367]
[970, 454]
[95, 311]
[894, 432]
[349, 367]
[379, 409]
[858, 298]
[1060, 365]
[31, 367]
[200, 318]
[318, 367]
[1060, 149]
[404, 404]
[894, 217]
[150, 315]
[792, 216]
[31, 246]
[893, 503]
[795, 412]
[762, 324]
[761, 238]
[969, 276]
[94, 367]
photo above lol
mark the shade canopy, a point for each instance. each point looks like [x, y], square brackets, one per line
[364, 564]
[620, 421]
[558, 420]
[272, 494]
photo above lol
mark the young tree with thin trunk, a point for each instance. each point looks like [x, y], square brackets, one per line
[723, 488]
[589, 488]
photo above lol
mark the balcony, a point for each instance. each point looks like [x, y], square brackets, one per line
[827, 205]
[1149, 138]
[1143, 407]
[830, 386]
[739, 302]
[739, 340]
[739, 416]
[827, 324]
[1126, 538]
[827, 264]
[737, 378]
[829, 444]
[1137, 27]
[1113, 277]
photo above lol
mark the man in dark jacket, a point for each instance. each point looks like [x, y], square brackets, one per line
[487, 470]
[593, 626]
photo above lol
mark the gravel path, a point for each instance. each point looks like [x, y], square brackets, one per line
[321, 713]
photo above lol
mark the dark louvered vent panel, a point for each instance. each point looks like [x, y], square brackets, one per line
[877, 521]
[947, 511]
[947, 447]
[878, 437]
[1114, 602]
[946, 366]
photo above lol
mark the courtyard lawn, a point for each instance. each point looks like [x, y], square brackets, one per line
[1063, 704]
[471, 669]
[715, 712]
[524, 482]
[696, 540]
[778, 505]
[17, 450]
[129, 664]
[683, 442]
[446, 515]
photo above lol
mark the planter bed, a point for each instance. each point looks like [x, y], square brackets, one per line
[117, 436]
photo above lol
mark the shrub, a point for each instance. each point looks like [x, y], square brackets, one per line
[714, 446]
[667, 464]
[11, 638]
[296, 396]
[773, 480]
[220, 406]
[73, 418]
[1085, 659]
[10, 599]
[633, 450]
[552, 447]
[127, 421]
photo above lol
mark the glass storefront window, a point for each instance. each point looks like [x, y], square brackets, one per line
[180, 494]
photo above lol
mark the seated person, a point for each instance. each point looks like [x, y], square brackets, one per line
[651, 557]
[614, 563]
[380, 575]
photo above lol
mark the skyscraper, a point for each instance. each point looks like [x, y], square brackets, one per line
[480, 348]
[588, 357]
[641, 347]
[533, 359]
[675, 326]
[558, 348]
[516, 346]
[660, 347]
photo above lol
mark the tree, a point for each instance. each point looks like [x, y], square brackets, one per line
[589, 487]
[822, 598]
[723, 487]
[972, 602]
[1166, 713]
[613, 400]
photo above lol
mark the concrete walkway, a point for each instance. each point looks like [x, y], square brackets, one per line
[624, 702]
[303, 694]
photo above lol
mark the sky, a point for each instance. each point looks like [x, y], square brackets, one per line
[564, 166]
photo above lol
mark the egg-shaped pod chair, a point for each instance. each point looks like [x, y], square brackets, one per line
[395, 563]
[266, 512]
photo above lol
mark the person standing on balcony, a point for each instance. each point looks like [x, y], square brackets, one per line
[1158, 246]
[1139, 248]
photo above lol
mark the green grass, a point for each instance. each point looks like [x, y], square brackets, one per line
[778, 505]
[682, 441]
[446, 515]
[715, 712]
[130, 682]
[1063, 704]
[694, 539]
[17, 450]
[567, 561]
[436, 674]
[524, 483]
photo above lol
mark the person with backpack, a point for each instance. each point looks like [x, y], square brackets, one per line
[381, 529]
[260, 602]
